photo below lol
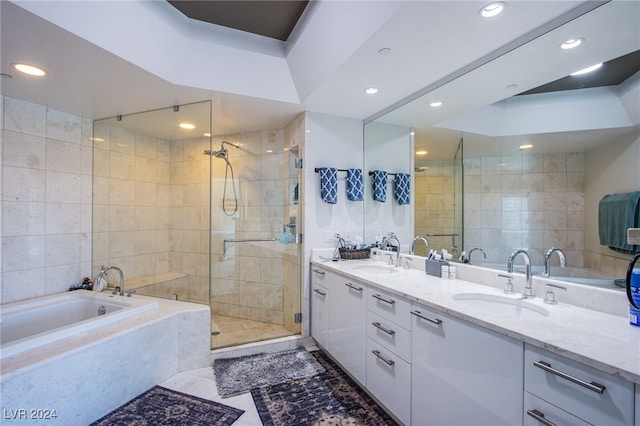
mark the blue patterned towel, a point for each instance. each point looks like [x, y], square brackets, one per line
[379, 186]
[329, 184]
[355, 186]
[402, 191]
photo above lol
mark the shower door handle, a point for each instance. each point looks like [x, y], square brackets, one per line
[242, 240]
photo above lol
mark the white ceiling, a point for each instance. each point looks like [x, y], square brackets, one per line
[116, 57]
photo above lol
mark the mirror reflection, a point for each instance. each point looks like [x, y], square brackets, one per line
[536, 155]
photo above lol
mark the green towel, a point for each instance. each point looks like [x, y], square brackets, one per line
[617, 213]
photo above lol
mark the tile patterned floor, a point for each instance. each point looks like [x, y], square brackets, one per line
[237, 331]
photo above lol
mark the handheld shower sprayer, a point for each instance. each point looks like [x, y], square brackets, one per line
[224, 154]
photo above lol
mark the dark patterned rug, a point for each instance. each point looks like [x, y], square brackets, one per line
[160, 406]
[239, 375]
[329, 398]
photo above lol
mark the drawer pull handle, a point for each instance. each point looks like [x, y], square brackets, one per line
[381, 328]
[593, 386]
[382, 299]
[419, 315]
[356, 288]
[321, 293]
[318, 271]
[377, 353]
[539, 416]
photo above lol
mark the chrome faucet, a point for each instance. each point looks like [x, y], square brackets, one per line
[415, 240]
[484, 255]
[527, 292]
[104, 270]
[547, 260]
[388, 239]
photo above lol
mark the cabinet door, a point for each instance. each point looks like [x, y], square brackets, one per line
[463, 374]
[319, 313]
[347, 324]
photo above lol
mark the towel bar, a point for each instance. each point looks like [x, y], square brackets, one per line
[242, 240]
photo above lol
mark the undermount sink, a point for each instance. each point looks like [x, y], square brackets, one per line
[375, 269]
[500, 305]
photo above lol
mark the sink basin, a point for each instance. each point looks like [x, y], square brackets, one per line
[500, 305]
[375, 269]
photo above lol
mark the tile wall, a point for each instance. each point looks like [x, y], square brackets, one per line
[435, 205]
[151, 208]
[525, 201]
[46, 200]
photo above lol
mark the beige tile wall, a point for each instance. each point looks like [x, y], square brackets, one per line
[46, 200]
[151, 203]
[525, 201]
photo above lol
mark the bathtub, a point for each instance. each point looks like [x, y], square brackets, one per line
[32, 323]
[61, 356]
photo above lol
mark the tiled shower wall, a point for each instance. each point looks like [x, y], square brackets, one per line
[435, 205]
[151, 206]
[252, 281]
[533, 202]
[46, 200]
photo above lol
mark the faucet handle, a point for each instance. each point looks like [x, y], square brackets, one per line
[550, 296]
[509, 287]
[406, 262]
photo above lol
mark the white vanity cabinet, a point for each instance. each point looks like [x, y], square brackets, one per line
[463, 374]
[319, 306]
[586, 393]
[388, 355]
[346, 324]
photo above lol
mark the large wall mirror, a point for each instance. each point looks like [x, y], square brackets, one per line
[520, 152]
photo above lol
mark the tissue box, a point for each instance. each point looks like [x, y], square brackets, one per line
[433, 267]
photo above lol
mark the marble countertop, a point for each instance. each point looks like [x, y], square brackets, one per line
[602, 340]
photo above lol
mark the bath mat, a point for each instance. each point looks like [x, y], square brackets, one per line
[161, 406]
[331, 397]
[239, 375]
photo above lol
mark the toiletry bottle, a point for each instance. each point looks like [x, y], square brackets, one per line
[634, 314]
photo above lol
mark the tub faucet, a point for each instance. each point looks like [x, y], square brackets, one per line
[547, 260]
[104, 270]
[484, 255]
[415, 240]
[392, 237]
[527, 292]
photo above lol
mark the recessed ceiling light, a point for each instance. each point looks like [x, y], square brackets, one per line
[525, 146]
[96, 139]
[187, 126]
[384, 51]
[587, 70]
[371, 90]
[571, 43]
[436, 104]
[512, 86]
[5, 75]
[29, 69]
[206, 135]
[492, 9]
[421, 152]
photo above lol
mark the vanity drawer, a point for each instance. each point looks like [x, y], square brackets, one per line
[534, 408]
[389, 306]
[389, 380]
[598, 398]
[319, 275]
[390, 335]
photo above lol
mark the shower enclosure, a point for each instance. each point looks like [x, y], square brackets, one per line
[166, 196]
